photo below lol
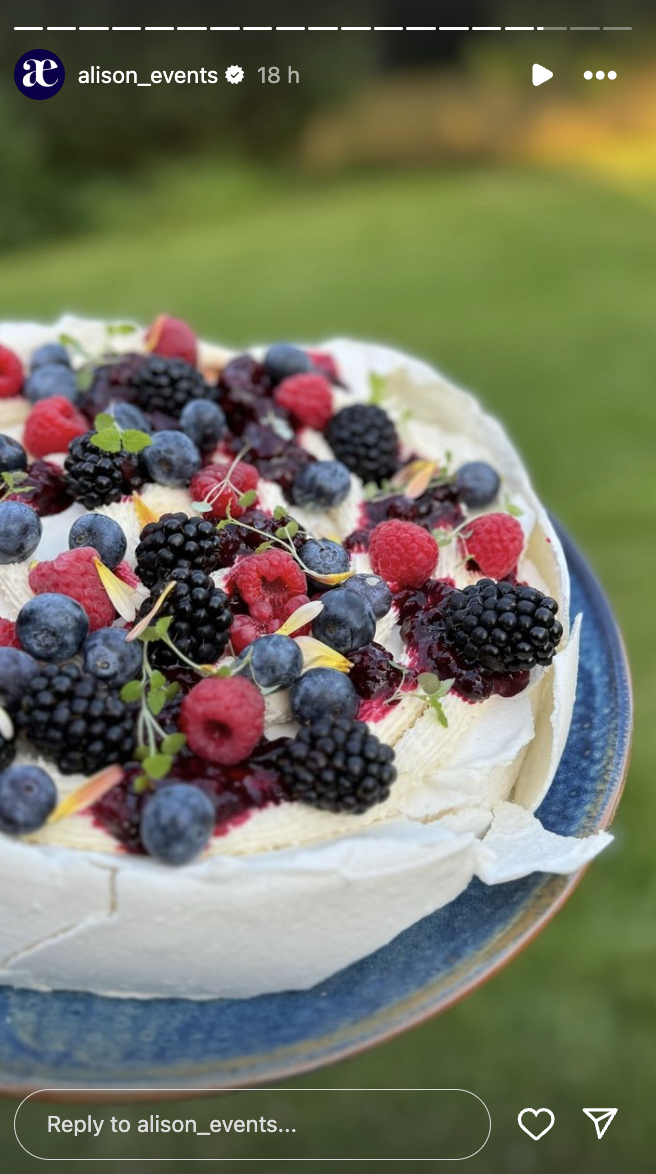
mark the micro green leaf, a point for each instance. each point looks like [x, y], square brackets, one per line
[157, 765]
[131, 691]
[173, 743]
[247, 499]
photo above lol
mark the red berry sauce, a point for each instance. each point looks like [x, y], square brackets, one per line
[236, 792]
[422, 631]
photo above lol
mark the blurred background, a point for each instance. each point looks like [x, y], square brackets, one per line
[414, 188]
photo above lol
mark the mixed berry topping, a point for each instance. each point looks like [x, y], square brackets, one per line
[158, 663]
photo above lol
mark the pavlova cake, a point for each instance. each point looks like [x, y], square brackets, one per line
[286, 659]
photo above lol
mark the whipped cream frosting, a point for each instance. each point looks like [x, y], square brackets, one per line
[77, 912]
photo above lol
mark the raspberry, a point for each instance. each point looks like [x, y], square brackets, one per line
[223, 719]
[11, 373]
[211, 484]
[494, 542]
[267, 581]
[307, 398]
[8, 637]
[244, 631]
[73, 573]
[325, 364]
[125, 573]
[51, 425]
[403, 553]
[172, 338]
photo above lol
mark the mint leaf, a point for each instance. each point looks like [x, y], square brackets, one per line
[263, 546]
[172, 690]
[202, 507]
[429, 682]
[135, 441]
[131, 691]
[279, 513]
[141, 784]
[108, 440]
[157, 679]
[104, 420]
[162, 626]
[149, 634]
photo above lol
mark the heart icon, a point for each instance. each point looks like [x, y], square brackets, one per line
[536, 1113]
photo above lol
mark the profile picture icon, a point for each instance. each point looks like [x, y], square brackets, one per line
[39, 74]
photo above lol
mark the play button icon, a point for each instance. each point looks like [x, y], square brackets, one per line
[541, 75]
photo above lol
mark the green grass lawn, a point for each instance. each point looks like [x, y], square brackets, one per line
[537, 292]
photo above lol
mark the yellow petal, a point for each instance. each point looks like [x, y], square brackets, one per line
[143, 511]
[417, 472]
[420, 482]
[299, 618]
[123, 597]
[317, 655]
[143, 624]
[330, 579]
[88, 793]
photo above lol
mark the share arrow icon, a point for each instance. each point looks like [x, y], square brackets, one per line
[601, 1119]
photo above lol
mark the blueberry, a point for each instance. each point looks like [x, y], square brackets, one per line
[52, 352]
[27, 797]
[323, 484]
[109, 657]
[12, 455]
[177, 823]
[323, 693]
[51, 379]
[52, 626]
[282, 359]
[272, 662]
[324, 556]
[101, 532]
[478, 483]
[204, 422]
[346, 622]
[129, 416]
[171, 459]
[20, 531]
[372, 588]
[16, 669]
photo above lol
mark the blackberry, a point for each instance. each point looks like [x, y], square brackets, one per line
[7, 751]
[74, 718]
[363, 438]
[168, 385]
[96, 478]
[201, 619]
[176, 541]
[111, 383]
[502, 627]
[275, 458]
[337, 764]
